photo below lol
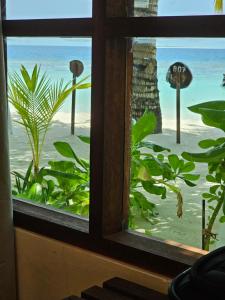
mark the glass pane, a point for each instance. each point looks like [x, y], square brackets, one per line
[166, 187]
[172, 7]
[40, 121]
[31, 9]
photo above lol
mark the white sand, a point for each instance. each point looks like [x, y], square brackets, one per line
[186, 230]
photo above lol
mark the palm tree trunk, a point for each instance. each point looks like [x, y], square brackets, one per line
[145, 93]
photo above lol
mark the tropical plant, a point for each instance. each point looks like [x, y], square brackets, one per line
[63, 185]
[153, 173]
[213, 114]
[30, 187]
[72, 176]
[36, 100]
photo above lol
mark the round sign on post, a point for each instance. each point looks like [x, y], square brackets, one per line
[179, 76]
[77, 68]
[179, 72]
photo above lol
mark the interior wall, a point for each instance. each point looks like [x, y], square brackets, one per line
[51, 270]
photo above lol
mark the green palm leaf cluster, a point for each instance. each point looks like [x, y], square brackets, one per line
[36, 100]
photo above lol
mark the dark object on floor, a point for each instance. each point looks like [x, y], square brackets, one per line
[120, 289]
[73, 298]
[205, 280]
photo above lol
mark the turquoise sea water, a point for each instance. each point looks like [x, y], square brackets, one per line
[207, 67]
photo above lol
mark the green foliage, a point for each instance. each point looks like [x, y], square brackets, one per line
[30, 187]
[213, 114]
[72, 177]
[36, 100]
[65, 183]
[153, 173]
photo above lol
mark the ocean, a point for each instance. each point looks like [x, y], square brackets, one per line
[207, 67]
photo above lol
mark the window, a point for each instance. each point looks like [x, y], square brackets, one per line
[153, 202]
[53, 57]
[111, 94]
[173, 7]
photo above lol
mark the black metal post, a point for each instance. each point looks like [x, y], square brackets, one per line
[203, 224]
[76, 67]
[178, 107]
[73, 107]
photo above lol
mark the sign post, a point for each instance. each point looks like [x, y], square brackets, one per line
[179, 76]
[77, 68]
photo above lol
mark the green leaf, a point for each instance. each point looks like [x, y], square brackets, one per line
[207, 195]
[153, 166]
[85, 139]
[65, 149]
[83, 86]
[140, 202]
[210, 178]
[189, 183]
[174, 161]
[27, 176]
[59, 174]
[35, 192]
[212, 112]
[143, 127]
[191, 177]
[187, 167]
[222, 219]
[143, 174]
[153, 189]
[204, 144]
[213, 155]
[211, 143]
[152, 146]
[214, 188]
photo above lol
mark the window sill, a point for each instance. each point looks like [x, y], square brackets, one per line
[164, 257]
[24, 208]
[168, 249]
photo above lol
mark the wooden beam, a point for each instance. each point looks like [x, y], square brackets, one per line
[116, 179]
[109, 210]
[49, 28]
[190, 26]
[97, 120]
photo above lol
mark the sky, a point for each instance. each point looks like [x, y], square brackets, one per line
[25, 9]
[19, 9]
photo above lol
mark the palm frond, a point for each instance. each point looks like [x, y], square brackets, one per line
[36, 100]
[218, 4]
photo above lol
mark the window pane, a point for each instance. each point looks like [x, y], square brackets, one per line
[172, 7]
[165, 192]
[40, 116]
[31, 9]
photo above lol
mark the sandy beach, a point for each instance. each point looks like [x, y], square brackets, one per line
[186, 230]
